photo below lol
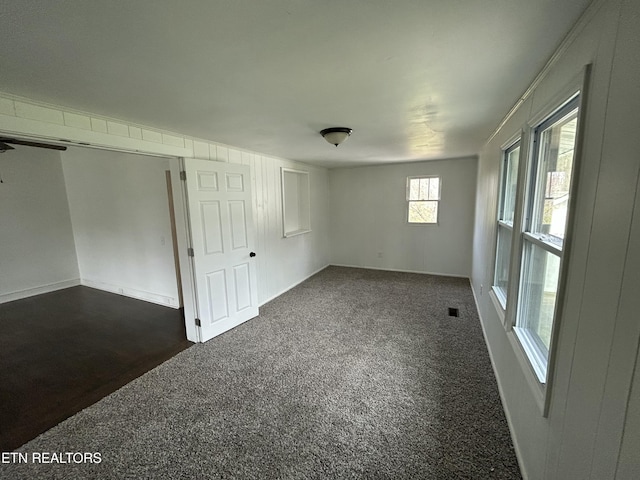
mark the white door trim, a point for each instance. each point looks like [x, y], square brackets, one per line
[184, 243]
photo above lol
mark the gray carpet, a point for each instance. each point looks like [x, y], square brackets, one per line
[353, 374]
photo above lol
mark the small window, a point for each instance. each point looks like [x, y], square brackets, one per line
[423, 197]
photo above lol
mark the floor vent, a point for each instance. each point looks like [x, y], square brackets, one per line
[454, 312]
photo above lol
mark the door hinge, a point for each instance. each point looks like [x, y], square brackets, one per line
[198, 324]
[183, 175]
[190, 252]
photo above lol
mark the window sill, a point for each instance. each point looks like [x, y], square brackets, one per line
[500, 298]
[497, 303]
[533, 352]
[538, 390]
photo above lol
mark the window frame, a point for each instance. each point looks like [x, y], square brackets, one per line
[515, 142]
[409, 201]
[300, 216]
[539, 359]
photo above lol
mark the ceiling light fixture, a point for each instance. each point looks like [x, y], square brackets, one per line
[336, 135]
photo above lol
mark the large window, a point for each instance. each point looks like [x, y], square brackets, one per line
[546, 210]
[423, 199]
[506, 213]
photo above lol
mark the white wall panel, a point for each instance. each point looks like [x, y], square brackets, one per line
[173, 140]
[617, 210]
[38, 112]
[37, 251]
[151, 136]
[77, 121]
[7, 107]
[99, 125]
[628, 467]
[116, 128]
[369, 225]
[627, 332]
[135, 132]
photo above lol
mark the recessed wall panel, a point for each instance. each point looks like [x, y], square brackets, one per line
[238, 219]
[207, 181]
[235, 182]
[243, 286]
[217, 288]
[211, 227]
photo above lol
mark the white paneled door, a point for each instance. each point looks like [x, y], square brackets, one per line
[222, 238]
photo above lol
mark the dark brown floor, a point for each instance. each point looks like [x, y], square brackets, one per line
[63, 351]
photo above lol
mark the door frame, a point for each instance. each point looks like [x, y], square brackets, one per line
[174, 237]
[183, 234]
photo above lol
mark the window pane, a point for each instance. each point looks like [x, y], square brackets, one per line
[556, 155]
[424, 189]
[510, 183]
[538, 289]
[502, 261]
[414, 189]
[434, 188]
[423, 212]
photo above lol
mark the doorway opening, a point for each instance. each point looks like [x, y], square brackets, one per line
[91, 298]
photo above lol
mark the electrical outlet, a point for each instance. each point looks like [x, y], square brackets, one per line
[481, 289]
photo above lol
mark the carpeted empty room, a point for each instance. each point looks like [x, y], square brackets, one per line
[354, 373]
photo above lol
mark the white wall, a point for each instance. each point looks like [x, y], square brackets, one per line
[369, 218]
[598, 330]
[120, 216]
[285, 262]
[628, 464]
[37, 251]
[626, 339]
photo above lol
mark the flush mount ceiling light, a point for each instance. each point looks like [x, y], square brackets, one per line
[336, 135]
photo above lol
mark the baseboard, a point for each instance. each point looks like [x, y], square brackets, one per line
[294, 285]
[400, 270]
[505, 407]
[30, 292]
[151, 297]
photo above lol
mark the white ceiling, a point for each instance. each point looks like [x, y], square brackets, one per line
[415, 79]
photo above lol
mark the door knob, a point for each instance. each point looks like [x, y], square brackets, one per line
[252, 254]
